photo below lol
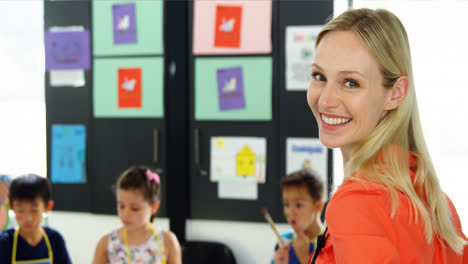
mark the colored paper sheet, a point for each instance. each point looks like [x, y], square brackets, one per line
[143, 37]
[68, 159]
[67, 50]
[124, 24]
[129, 87]
[250, 32]
[230, 88]
[300, 50]
[228, 26]
[230, 190]
[238, 159]
[307, 153]
[110, 102]
[257, 88]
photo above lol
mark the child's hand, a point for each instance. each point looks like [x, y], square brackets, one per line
[301, 247]
[282, 255]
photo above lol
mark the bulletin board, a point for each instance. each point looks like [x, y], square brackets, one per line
[116, 138]
[68, 105]
[288, 117]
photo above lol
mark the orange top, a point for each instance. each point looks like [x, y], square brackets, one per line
[360, 230]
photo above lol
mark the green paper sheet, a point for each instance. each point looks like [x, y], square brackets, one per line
[149, 26]
[257, 78]
[105, 92]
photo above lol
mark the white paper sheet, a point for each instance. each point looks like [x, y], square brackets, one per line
[307, 152]
[74, 78]
[238, 190]
[300, 50]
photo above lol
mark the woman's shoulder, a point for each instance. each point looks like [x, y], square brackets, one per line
[356, 201]
[357, 188]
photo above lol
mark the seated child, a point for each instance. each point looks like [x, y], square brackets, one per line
[138, 241]
[302, 204]
[29, 198]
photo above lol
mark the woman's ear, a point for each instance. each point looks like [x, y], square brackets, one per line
[155, 207]
[398, 93]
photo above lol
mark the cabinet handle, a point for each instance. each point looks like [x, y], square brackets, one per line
[155, 145]
[196, 146]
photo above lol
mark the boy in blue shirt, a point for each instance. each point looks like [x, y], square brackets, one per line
[29, 198]
[302, 205]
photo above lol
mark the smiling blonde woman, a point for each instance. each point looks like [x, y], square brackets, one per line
[390, 207]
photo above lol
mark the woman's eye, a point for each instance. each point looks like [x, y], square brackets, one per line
[318, 77]
[351, 83]
[299, 205]
[135, 209]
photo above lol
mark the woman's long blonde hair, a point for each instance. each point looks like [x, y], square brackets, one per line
[383, 156]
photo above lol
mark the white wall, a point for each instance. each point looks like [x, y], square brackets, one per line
[82, 231]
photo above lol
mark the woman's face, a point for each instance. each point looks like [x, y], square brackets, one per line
[346, 93]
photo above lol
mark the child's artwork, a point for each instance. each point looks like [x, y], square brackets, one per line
[68, 159]
[307, 153]
[250, 80]
[129, 88]
[124, 24]
[300, 48]
[230, 88]
[67, 50]
[228, 26]
[238, 159]
[127, 27]
[231, 27]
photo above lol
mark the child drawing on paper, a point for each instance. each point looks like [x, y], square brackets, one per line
[138, 241]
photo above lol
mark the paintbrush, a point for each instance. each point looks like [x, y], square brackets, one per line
[272, 224]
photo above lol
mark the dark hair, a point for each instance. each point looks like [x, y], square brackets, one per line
[135, 178]
[29, 187]
[307, 178]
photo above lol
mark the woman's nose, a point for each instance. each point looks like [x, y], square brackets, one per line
[329, 96]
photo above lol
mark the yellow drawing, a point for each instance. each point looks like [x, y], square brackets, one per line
[246, 162]
[220, 143]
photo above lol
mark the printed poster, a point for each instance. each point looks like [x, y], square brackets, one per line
[230, 88]
[124, 23]
[300, 50]
[129, 87]
[307, 153]
[228, 26]
[68, 154]
[67, 50]
[238, 159]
